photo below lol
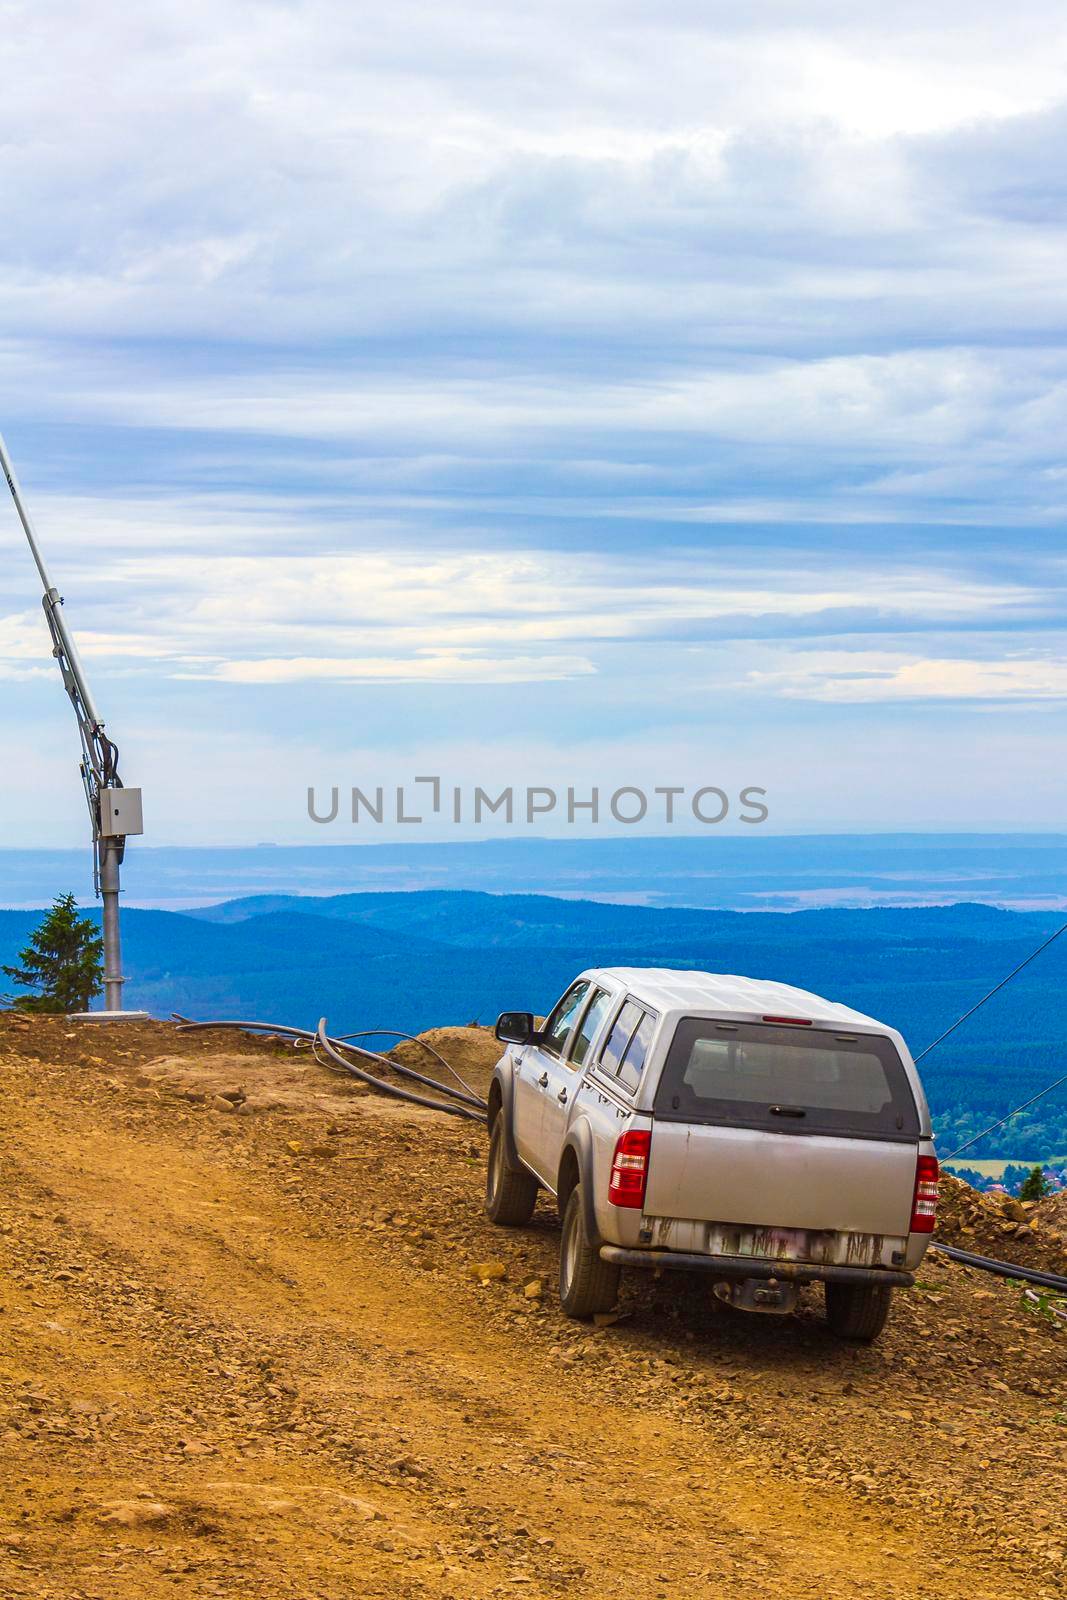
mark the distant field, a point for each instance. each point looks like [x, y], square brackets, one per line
[995, 1169]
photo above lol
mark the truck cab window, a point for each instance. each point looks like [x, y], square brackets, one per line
[590, 1027]
[555, 1031]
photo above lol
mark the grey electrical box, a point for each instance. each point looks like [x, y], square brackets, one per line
[120, 813]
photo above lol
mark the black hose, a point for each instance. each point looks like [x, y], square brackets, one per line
[409, 1072]
[308, 1035]
[185, 1025]
[1003, 1269]
[325, 1044]
[412, 1038]
[468, 1105]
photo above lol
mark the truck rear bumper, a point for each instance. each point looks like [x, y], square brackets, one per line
[748, 1267]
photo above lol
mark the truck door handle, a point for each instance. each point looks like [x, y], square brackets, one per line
[542, 1082]
[562, 1097]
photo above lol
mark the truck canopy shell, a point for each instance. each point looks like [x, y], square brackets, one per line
[673, 994]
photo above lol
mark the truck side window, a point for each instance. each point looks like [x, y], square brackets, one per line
[623, 1056]
[594, 1016]
[619, 1038]
[633, 1062]
[555, 1031]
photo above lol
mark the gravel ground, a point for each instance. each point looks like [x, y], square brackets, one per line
[246, 1349]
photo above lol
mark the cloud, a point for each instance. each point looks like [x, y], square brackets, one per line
[23, 638]
[921, 403]
[806, 268]
[630, 354]
[423, 666]
[862, 678]
[317, 171]
[477, 615]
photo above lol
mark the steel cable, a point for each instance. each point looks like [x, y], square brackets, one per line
[995, 990]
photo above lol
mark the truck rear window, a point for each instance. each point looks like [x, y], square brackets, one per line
[752, 1075]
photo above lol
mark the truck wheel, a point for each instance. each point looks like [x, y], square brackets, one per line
[586, 1284]
[510, 1195]
[857, 1311]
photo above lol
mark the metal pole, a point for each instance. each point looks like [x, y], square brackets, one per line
[24, 516]
[52, 599]
[110, 856]
[103, 787]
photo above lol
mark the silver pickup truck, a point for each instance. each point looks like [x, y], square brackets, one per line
[744, 1129]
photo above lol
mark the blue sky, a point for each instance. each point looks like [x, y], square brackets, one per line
[563, 395]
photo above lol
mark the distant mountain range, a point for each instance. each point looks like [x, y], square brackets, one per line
[759, 872]
[413, 960]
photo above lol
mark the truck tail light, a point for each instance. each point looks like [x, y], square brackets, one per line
[629, 1169]
[924, 1206]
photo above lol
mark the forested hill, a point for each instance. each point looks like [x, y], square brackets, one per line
[410, 961]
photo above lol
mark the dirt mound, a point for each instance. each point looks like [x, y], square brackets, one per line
[1000, 1226]
[473, 1052]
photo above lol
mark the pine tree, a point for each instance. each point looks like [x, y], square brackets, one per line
[62, 962]
[1036, 1186]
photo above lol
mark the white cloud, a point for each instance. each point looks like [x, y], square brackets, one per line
[421, 667]
[271, 172]
[949, 434]
[464, 616]
[870, 677]
[920, 401]
[16, 674]
[586, 344]
[443, 238]
[23, 638]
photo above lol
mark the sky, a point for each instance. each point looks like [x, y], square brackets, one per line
[580, 394]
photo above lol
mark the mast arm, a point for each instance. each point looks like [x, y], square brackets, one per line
[115, 811]
[100, 753]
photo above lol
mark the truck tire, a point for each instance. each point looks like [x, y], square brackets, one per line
[587, 1285]
[857, 1311]
[510, 1194]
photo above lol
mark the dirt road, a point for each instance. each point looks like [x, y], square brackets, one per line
[242, 1353]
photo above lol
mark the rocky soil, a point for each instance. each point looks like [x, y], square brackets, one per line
[1030, 1233]
[257, 1340]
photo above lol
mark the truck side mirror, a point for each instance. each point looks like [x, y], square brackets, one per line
[515, 1027]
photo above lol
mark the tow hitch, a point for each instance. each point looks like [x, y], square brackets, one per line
[758, 1294]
